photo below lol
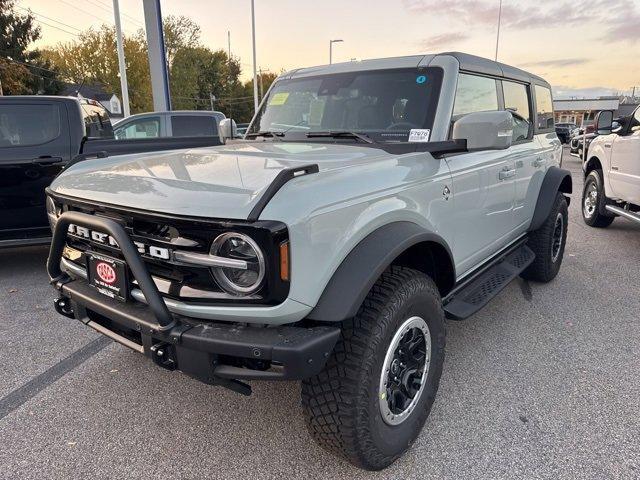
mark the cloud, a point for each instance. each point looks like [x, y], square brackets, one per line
[442, 41]
[619, 19]
[563, 92]
[561, 62]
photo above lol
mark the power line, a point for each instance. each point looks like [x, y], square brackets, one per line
[48, 18]
[131, 18]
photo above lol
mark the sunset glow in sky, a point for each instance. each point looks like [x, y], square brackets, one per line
[582, 48]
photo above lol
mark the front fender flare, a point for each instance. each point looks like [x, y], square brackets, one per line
[555, 180]
[354, 278]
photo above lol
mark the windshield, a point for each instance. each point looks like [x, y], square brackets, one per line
[384, 105]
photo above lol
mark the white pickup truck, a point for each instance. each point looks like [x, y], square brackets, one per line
[612, 171]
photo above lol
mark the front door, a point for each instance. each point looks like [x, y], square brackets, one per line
[34, 146]
[625, 163]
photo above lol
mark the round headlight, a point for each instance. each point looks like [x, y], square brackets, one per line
[235, 280]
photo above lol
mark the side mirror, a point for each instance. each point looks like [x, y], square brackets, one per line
[604, 122]
[485, 130]
[227, 129]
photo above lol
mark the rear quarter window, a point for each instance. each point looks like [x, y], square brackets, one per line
[544, 109]
[193, 126]
[96, 121]
[27, 125]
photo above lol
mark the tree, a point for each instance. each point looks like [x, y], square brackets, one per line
[93, 59]
[179, 33]
[22, 71]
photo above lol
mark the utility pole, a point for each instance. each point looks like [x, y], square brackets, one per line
[212, 99]
[498, 34]
[157, 56]
[331, 42]
[255, 73]
[229, 90]
[121, 60]
[261, 86]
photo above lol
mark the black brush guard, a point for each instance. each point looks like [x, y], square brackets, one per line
[201, 349]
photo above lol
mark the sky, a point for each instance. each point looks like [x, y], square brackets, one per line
[584, 49]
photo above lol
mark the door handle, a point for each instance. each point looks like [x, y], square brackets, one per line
[539, 162]
[506, 172]
[607, 145]
[614, 168]
[46, 160]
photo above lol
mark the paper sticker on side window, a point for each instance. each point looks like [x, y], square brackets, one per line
[279, 98]
[419, 135]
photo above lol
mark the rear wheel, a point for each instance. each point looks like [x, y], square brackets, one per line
[594, 201]
[548, 243]
[375, 393]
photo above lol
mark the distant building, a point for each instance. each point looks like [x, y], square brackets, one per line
[99, 93]
[583, 111]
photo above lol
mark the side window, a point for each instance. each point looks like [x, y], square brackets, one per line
[142, 128]
[25, 125]
[636, 119]
[544, 108]
[475, 94]
[97, 122]
[193, 126]
[516, 100]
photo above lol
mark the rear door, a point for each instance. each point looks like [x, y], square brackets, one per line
[34, 145]
[526, 152]
[625, 162]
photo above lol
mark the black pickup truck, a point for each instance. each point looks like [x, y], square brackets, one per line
[39, 136]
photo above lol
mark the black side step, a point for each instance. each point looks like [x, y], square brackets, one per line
[476, 294]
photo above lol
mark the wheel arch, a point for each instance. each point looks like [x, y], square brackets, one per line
[399, 243]
[592, 164]
[555, 180]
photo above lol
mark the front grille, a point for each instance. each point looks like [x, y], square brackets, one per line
[186, 282]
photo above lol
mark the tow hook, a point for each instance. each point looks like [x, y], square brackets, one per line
[163, 356]
[63, 307]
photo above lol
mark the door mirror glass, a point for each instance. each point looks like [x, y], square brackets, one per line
[227, 129]
[485, 130]
[604, 122]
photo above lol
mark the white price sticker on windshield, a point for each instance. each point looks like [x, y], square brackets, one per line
[419, 135]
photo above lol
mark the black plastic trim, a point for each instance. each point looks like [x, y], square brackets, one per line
[128, 249]
[555, 180]
[299, 351]
[355, 277]
[281, 179]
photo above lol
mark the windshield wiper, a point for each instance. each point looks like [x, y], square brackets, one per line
[341, 134]
[266, 133]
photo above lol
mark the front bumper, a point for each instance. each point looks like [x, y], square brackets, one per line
[214, 352]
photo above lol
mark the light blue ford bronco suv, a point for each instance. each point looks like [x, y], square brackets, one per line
[368, 202]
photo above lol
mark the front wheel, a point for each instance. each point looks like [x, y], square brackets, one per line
[594, 200]
[548, 243]
[375, 393]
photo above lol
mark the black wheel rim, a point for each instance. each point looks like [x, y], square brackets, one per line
[405, 370]
[558, 234]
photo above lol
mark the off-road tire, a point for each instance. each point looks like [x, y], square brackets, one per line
[548, 259]
[341, 403]
[598, 219]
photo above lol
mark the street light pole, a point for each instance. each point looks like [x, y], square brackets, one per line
[498, 34]
[331, 42]
[121, 61]
[255, 72]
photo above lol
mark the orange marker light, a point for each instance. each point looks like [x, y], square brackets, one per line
[284, 261]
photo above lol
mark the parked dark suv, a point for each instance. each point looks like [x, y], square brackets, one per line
[563, 130]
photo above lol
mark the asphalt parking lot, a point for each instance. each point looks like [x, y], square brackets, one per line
[542, 383]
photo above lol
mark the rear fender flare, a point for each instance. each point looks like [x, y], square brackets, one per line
[555, 180]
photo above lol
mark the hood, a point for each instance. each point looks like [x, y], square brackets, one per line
[216, 182]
